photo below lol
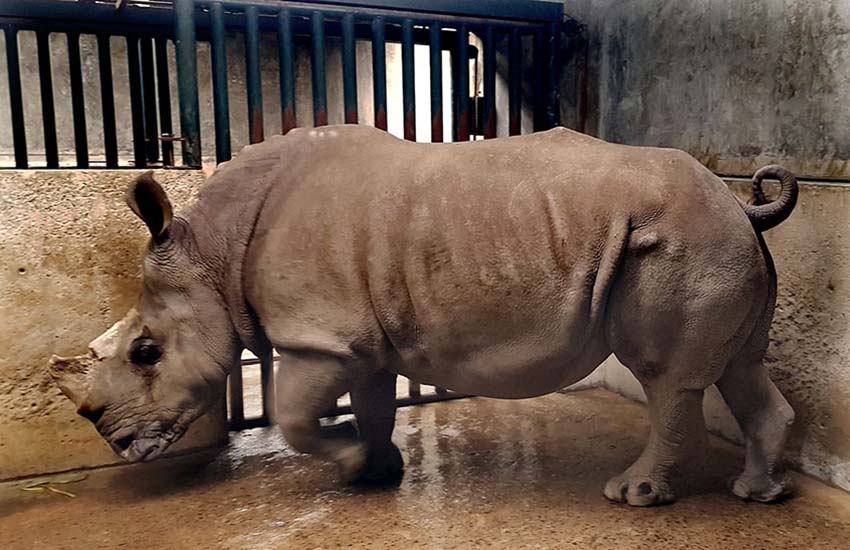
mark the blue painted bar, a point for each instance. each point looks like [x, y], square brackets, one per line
[48, 109]
[379, 71]
[436, 51]
[408, 80]
[137, 102]
[187, 81]
[349, 69]
[107, 101]
[320, 91]
[287, 72]
[78, 100]
[489, 82]
[221, 98]
[462, 86]
[515, 83]
[253, 78]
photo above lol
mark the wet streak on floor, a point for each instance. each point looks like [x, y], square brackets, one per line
[480, 473]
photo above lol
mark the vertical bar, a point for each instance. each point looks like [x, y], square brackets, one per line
[221, 102]
[16, 98]
[414, 390]
[137, 105]
[462, 89]
[267, 385]
[436, 50]
[149, 100]
[48, 109]
[164, 93]
[379, 71]
[320, 92]
[78, 100]
[237, 401]
[107, 101]
[553, 104]
[489, 83]
[408, 80]
[349, 69]
[253, 78]
[187, 81]
[515, 83]
[287, 72]
[539, 82]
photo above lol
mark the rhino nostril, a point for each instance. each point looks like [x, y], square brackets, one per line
[92, 414]
[124, 442]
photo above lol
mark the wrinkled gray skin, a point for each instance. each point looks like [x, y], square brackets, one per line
[508, 268]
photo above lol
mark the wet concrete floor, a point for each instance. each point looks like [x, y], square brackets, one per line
[480, 474]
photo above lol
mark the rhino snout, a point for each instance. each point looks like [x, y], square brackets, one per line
[73, 376]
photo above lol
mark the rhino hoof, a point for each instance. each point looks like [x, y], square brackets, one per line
[765, 490]
[638, 491]
[383, 468]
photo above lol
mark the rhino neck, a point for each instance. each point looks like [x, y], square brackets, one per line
[223, 221]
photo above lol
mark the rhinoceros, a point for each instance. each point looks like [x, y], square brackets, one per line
[508, 268]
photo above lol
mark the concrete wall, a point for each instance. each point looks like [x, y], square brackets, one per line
[70, 259]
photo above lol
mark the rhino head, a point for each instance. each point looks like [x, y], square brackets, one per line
[148, 377]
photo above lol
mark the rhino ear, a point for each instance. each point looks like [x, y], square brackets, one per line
[147, 199]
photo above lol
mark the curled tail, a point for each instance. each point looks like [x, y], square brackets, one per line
[765, 215]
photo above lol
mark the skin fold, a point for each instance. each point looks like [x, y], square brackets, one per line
[508, 268]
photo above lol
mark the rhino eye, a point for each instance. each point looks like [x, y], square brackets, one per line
[145, 352]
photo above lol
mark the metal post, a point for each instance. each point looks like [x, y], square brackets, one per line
[489, 83]
[408, 80]
[463, 120]
[287, 72]
[78, 102]
[320, 92]
[16, 98]
[48, 109]
[237, 400]
[267, 385]
[515, 83]
[107, 101]
[187, 81]
[221, 102]
[379, 71]
[349, 69]
[539, 82]
[137, 104]
[164, 93]
[253, 78]
[553, 104]
[149, 100]
[436, 50]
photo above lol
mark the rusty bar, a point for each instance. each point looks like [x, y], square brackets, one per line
[163, 88]
[48, 108]
[379, 71]
[16, 98]
[436, 51]
[137, 102]
[253, 78]
[349, 69]
[237, 400]
[267, 384]
[78, 100]
[187, 81]
[221, 100]
[408, 80]
[287, 72]
[107, 101]
[149, 102]
[489, 82]
[515, 83]
[539, 82]
[320, 91]
[462, 89]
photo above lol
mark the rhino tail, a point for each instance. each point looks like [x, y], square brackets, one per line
[766, 214]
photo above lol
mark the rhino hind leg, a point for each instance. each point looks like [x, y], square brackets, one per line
[676, 428]
[374, 407]
[308, 385]
[764, 417]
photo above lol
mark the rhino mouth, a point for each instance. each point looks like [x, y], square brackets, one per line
[133, 447]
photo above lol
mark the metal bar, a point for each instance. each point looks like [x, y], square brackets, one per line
[317, 61]
[267, 384]
[237, 401]
[164, 93]
[462, 89]
[515, 83]
[78, 100]
[187, 81]
[16, 98]
[107, 101]
[379, 71]
[253, 79]
[149, 100]
[408, 80]
[48, 109]
[489, 82]
[137, 105]
[553, 107]
[436, 51]
[349, 69]
[221, 101]
[539, 82]
[400, 402]
[287, 72]
[413, 389]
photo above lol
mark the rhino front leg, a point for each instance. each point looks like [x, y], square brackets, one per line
[374, 407]
[308, 385]
[676, 424]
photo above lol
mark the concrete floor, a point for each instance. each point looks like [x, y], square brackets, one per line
[480, 473]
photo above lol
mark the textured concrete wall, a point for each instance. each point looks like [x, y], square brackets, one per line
[70, 259]
[736, 84]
